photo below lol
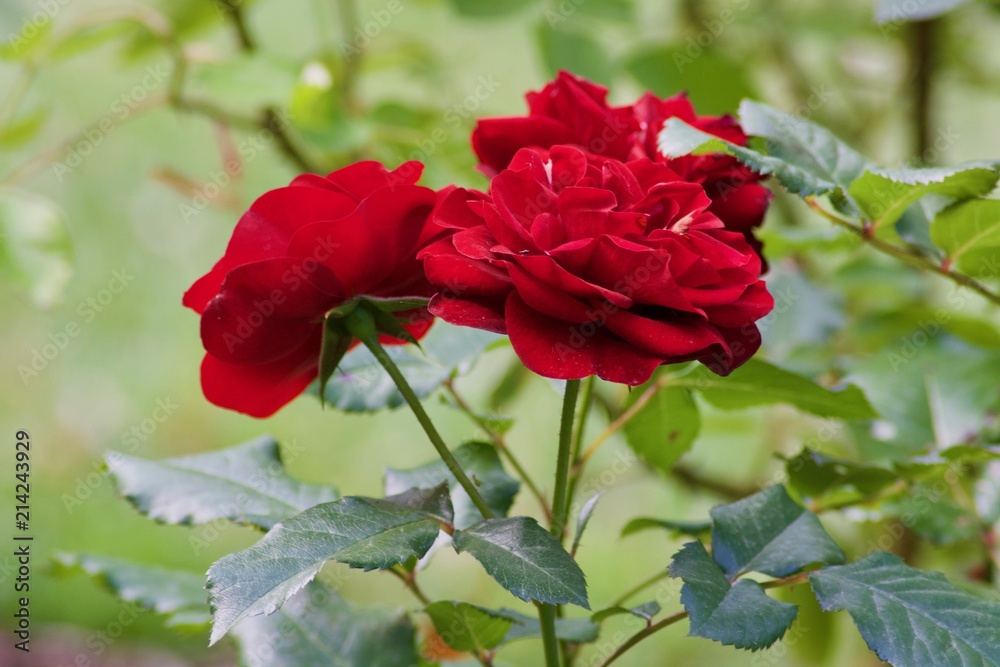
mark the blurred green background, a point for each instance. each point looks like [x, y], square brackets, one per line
[118, 179]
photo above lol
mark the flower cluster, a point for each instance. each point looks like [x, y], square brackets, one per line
[594, 252]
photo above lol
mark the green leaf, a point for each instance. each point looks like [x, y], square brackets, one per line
[30, 36]
[36, 250]
[665, 428]
[316, 627]
[574, 51]
[759, 383]
[884, 194]
[899, 11]
[481, 463]
[246, 484]
[811, 474]
[644, 611]
[963, 229]
[23, 129]
[364, 533]
[525, 559]
[573, 630]
[806, 158]
[583, 518]
[363, 385]
[736, 614]
[666, 69]
[770, 533]
[178, 594]
[675, 528]
[466, 627]
[479, 9]
[911, 617]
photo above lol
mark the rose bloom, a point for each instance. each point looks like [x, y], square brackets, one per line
[298, 252]
[596, 266]
[572, 110]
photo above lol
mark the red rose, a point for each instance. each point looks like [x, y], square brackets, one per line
[571, 110]
[298, 252]
[595, 266]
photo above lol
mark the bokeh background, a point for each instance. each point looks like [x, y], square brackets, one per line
[121, 187]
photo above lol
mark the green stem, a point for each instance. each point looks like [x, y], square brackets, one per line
[361, 325]
[547, 619]
[642, 634]
[559, 495]
[638, 588]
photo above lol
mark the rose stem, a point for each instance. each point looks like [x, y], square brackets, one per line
[361, 325]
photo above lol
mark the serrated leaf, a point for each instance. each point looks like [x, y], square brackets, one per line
[736, 614]
[36, 250]
[963, 229]
[573, 630]
[812, 474]
[583, 518]
[665, 428]
[178, 594]
[467, 627]
[806, 158]
[246, 484]
[759, 383]
[911, 617]
[770, 533]
[689, 528]
[365, 533]
[575, 51]
[481, 463]
[316, 627]
[883, 195]
[901, 11]
[525, 559]
[363, 385]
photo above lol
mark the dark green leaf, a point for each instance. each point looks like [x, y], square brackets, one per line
[525, 559]
[178, 594]
[665, 428]
[247, 484]
[362, 384]
[737, 614]
[316, 627]
[812, 474]
[566, 49]
[466, 627]
[36, 251]
[675, 528]
[911, 617]
[481, 463]
[884, 194]
[365, 533]
[759, 383]
[574, 630]
[770, 533]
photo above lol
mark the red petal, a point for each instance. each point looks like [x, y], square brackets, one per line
[486, 314]
[497, 140]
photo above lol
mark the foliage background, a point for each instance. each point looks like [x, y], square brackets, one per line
[131, 205]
